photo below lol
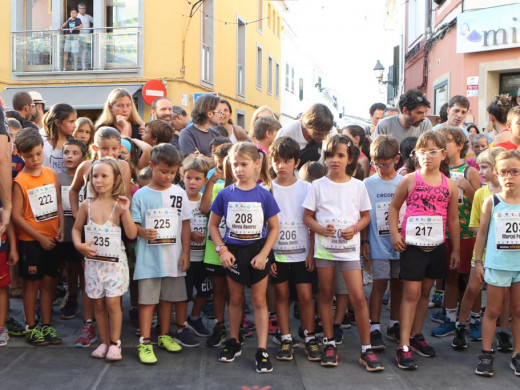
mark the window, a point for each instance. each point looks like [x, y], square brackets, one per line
[441, 96]
[416, 19]
[286, 77]
[241, 58]
[300, 94]
[270, 75]
[292, 80]
[277, 80]
[206, 67]
[259, 67]
[269, 19]
[241, 118]
[260, 15]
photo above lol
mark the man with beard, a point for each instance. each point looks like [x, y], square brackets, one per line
[23, 109]
[162, 109]
[458, 107]
[39, 110]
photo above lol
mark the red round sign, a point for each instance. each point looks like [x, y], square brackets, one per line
[152, 90]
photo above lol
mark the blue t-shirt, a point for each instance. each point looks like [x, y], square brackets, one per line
[245, 212]
[381, 193]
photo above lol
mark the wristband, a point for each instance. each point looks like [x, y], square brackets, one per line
[477, 260]
[223, 250]
[356, 230]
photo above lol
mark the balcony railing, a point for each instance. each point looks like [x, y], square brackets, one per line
[106, 49]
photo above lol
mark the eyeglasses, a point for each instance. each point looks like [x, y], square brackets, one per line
[32, 105]
[505, 172]
[383, 166]
[429, 153]
[218, 112]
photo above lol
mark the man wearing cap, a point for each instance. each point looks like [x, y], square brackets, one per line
[39, 107]
[23, 109]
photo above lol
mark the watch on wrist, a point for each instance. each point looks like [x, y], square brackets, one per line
[218, 248]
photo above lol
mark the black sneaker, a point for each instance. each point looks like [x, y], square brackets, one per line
[330, 356]
[459, 341]
[376, 339]
[312, 350]
[419, 345]
[51, 335]
[285, 351]
[515, 364]
[485, 365]
[369, 360]
[231, 350]
[346, 324]
[218, 337]
[338, 334]
[404, 359]
[394, 333]
[263, 364]
[504, 342]
[34, 336]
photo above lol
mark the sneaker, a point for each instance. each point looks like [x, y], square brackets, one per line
[273, 325]
[445, 329]
[87, 336]
[197, 326]
[166, 342]
[146, 355]
[394, 333]
[14, 327]
[475, 331]
[133, 314]
[437, 299]
[60, 293]
[459, 341]
[230, 351]
[277, 338]
[246, 322]
[419, 345]
[312, 350]
[69, 310]
[404, 359]
[376, 339]
[245, 332]
[504, 342]
[285, 351]
[439, 316]
[35, 336]
[338, 334]
[218, 337]
[485, 365]
[208, 311]
[346, 324]
[330, 356]
[369, 360]
[263, 364]
[318, 329]
[515, 364]
[51, 335]
[4, 336]
[185, 338]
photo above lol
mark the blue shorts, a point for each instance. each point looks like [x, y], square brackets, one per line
[499, 278]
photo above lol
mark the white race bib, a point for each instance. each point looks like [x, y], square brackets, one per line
[166, 222]
[382, 217]
[245, 220]
[107, 241]
[44, 202]
[221, 229]
[336, 243]
[199, 224]
[456, 176]
[292, 238]
[507, 230]
[424, 231]
[65, 201]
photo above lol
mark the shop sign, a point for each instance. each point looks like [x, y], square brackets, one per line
[472, 86]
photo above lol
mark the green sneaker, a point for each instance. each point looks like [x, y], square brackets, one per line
[146, 355]
[51, 335]
[35, 337]
[14, 327]
[166, 342]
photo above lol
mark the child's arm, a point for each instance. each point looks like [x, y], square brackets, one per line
[309, 219]
[364, 220]
[226, 257]
[310, 263]
[454, 225]
[77, 229]
[184, 262]
[13, 256]
[400, 194]
[61, 221]
[471, 184]
[126, 217]
[365, 248]
[127, 177]
[146, 150]
[147, 234]
[75, 187]
[45, 242]
[482, 237]
[205, 202]
[261, 259]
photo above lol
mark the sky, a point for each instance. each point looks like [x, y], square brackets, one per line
[346, 38]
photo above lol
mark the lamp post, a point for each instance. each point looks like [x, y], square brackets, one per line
[378, 72]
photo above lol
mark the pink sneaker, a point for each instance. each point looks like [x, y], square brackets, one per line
[87, 336]
[273, 325]
[114, 353]
[100, 352]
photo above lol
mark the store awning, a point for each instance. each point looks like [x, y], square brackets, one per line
[81, 97]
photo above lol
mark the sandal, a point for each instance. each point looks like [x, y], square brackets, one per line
[114, 353]
[100, 352]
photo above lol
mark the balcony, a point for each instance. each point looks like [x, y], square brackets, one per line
[106, 50]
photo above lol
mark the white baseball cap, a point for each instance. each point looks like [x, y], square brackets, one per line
[36, 97]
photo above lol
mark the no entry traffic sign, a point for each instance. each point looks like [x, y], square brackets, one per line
[152, 90]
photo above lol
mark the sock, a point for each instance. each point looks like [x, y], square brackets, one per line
[391, 323]
[364, 347]
[89, 322]
[286, 337]
[451, 314]
[308, 335]
[473, 317]
[375, 326]
[330, 342]
[194, 318]
[460, 323]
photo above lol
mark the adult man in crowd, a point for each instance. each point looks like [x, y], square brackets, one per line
[5, 174]
[390, 111]
[39, 110]
[458, 107]
[23, 109]
[411, 122]
[194, 140]
[376, 114]
[180, 119]
[310, 130]
[162, 109]
[86, 38]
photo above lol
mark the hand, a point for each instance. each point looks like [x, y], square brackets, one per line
[5, 217]
[454, 260]
[47, 243]
[367, 266]
[464, 184]
[60, 235]
[259, 262]
[329, 231]
[480, 272]
[148, 234]
[184, 262]
[365, 251]
[217, 175]
[197, 237]
[13, 257]
[59, 28]
[273, 271]
[86, 250]
[348, 233]
[125, 125]
[142, 129]
[310, 263]
[398, 243]
[227, 259]
[124, 203]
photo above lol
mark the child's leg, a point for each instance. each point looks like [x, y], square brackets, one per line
[470, 296]
[304, 291]
[198, 304]
[376, 299]
[495, 297]
[115, 317]
[87, 304]
[354, 280]
[30, 292]
[505, 313]
[47, 291]
[164, 314]
[145, 319]
[341, 308]
[422, 306]
[73, 272]
[259, 300]
[396, 292]
[4, 305]
[102, 320]
[282, 306]
[220, 292]
[326, 278]
[515, 312]
[271, 297]
[451, 292]
[411, 295]
[236, 307]
[181, 310]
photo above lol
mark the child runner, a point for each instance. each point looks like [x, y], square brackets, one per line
[264, 132]
[294, 250]
[431, 204]
[499, 224]
[246, 207]
[337, 225]
[479, 143]
[38, 215]
[59, 124]
[376, 245]
[106, 268]
[162, 214]
[157, 132]
[84, 132]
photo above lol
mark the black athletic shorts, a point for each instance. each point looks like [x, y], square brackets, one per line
[198, 278]
[296, 272]
[35, 262]
[417, 264]
[242, 271]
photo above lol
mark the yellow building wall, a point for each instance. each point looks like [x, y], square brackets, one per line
[5, 43]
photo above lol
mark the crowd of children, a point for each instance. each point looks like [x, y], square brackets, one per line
[112, 213]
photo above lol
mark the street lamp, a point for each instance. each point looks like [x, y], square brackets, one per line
[378, 72]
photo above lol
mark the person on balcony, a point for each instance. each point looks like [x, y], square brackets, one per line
[86, 34]
[71, 30]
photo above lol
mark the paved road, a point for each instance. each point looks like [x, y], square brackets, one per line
[66, 367]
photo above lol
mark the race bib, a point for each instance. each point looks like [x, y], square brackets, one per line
[221, 229]
[44, 202]
[65, 201]
[166, 222]
[336, 243]
[456, 176]
[84, 193]
[382, 217]
[424, 231]
[292, 238]
[199, 224]
[507, 230]
[107, 241]
[245, 220]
